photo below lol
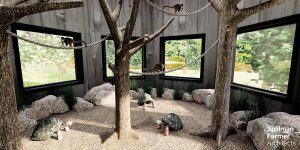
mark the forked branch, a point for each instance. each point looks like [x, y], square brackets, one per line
[138, 44]
[217, 4]
[246, 12]
[117, 10]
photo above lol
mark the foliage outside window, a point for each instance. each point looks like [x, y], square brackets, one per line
[41, 65]
[136, 62]
[263, 58]
[181, 51]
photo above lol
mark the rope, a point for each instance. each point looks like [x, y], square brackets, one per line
[187, 64]
[55, 47]
[179, 14]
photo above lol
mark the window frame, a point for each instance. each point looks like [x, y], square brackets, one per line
[164, 39]
[39, 29]
[287, 98]
[105, 77]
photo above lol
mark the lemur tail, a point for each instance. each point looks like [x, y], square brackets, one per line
[166, 7]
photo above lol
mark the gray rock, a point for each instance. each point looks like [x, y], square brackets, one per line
[104, 98]
[181, 92]
[153, 92]
[43, 107]
[95, 90]
[140, 91]
[45, 129]
[113, 88]
[187, 97]
[240, 119]
[202, 96]
[82, 105]
[134, 94]
[210, 101]
[60, 106]
[270, 134]
[285, 119]
[25, 122]
[168, 94]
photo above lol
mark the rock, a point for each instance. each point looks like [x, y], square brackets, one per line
[95, 90]
[181, 92]
[270, 134]
[104, 98]
[134, 94]
[168, 94]
[43, 107]
[202, 95]
[153, 92]
[31, 113]
[240, 119]
[45, 129]
[140, 91]
[285, 119]
[25, 122]
[82, 105]
[187, 97]
[60, 106]
[113, 88]
[210, 101]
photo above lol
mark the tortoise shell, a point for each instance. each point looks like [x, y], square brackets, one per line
[45, 129]
[174, 121]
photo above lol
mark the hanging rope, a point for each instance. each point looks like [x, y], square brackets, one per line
[55, 47]
[172, 70]
[179, 14]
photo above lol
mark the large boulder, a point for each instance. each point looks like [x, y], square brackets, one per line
[43, 108]
[187, 97]
[272, 134]
[134, 94]
[210, 101]
[82, 105]
[202, 95]
[168, 94]
[240, 119]
[153, 92]
[181, 92]
[95, 90]
[25, 122]
[104, 98]
[60, 106]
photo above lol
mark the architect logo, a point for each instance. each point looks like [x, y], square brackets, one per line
[281, 136]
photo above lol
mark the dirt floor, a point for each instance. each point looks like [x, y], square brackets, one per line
[93, 130]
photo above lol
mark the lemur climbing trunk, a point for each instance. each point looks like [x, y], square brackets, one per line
[123, 124]
[9, 129]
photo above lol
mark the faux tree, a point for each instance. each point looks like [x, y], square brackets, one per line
[9, 13]
[230, 17]
[124, 50]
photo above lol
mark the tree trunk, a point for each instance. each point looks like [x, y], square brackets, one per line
[220, 117]
[123, 124]
[9, 128]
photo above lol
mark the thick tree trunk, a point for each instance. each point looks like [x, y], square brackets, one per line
[9, 128]
[220, 118]
[123, 124]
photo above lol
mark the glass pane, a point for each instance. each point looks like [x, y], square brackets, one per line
[41, 65]
[180, 52]
[135, 62]
[263, 58]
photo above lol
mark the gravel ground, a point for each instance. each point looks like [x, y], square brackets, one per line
[94, 130]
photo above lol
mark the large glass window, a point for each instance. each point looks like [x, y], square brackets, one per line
[179, 50]
[42, 66]
[136, 61]
[263, 58]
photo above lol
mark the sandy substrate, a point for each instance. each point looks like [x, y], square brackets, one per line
[93, 130]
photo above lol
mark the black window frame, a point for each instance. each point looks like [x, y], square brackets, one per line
[103, 46]
[287, 98]
[183, 37]
[39, 29]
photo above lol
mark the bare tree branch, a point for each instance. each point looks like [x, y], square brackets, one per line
[25, 10]
[131, 22]
[246, 12]
[143, 41]
[138, 42]
[117, 10]
[217, 4]
[112, 67]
